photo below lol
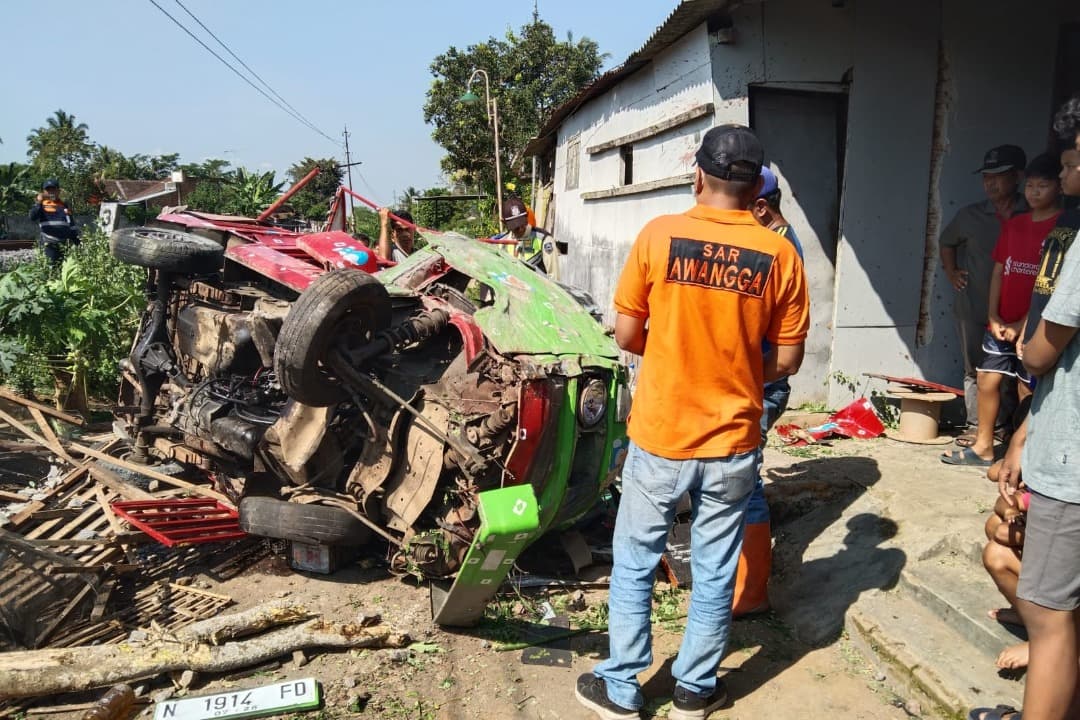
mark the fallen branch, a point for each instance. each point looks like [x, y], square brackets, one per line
[248, 622]
[61, 670]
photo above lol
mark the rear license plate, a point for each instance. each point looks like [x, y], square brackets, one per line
[288, 696]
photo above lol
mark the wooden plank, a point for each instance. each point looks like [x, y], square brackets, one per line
[102, 599]
[639, 187]
[154, 474]
[655, 129]
[15, 423]
[22, 543]
[23, 515]
[14, 497]
[48, 434]
[43, 637]
[117, 484]
[72, 419]
[73, 542]
[203, 593]
[56, 514]
[86, 512]
[91, 569]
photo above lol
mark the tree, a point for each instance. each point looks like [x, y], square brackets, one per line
[209, 169]
[531, 74]
[312, 202]
[16, 190]
[250, 193]
[211, 189]
[61, 148]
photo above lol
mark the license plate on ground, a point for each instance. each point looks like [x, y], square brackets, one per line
[288, 696]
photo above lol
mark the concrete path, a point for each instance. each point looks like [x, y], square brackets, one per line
[881, 541]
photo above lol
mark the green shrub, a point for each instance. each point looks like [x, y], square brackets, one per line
[71, 324]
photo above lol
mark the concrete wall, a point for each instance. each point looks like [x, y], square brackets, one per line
[21, 227]
[600, 232]
[889, 52]
[883, 221]
[793, 45]
[982, 115]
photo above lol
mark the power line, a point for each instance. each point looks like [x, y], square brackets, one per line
[247, 67]
[241, 75]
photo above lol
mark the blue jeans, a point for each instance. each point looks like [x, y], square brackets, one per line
[776, 396]
[719, 490]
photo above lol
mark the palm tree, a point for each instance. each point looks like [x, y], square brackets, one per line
[61, 126]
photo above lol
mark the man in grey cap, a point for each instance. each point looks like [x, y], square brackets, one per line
[965, 248]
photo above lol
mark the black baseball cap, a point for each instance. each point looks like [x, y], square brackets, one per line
[1003, 157]
[731, 152]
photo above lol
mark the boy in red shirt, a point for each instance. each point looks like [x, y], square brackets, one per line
[1016, 263]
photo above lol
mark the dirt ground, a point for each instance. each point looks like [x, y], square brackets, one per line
[470, 673]
[466, 673]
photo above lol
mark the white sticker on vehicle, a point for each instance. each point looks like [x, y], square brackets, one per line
[493, 559]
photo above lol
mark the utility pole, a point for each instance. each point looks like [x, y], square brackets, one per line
[348, 165]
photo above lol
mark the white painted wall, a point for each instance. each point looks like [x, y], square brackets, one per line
[600, 232]
[1001, 93]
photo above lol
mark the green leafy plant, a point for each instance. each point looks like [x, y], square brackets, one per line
[250, 193]
[70, 325]
[845, 381]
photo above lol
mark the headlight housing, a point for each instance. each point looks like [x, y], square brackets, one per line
[592, 403]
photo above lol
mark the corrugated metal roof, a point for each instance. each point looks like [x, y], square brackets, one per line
[684, 18]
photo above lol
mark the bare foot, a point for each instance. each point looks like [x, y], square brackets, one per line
[1005, 615]
[1013, 657]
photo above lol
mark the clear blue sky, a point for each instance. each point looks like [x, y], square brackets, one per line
[143, 86]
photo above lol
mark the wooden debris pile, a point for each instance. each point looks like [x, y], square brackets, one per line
[71, 571]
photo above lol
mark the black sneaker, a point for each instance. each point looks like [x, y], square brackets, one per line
[686, 705]
[592, 693]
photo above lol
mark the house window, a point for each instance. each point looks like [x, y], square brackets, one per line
[573, 163]
[626, 163]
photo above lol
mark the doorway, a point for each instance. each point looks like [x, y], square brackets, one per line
[804, 135]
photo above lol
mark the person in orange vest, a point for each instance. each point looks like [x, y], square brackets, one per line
[755, 561]
[53, 217]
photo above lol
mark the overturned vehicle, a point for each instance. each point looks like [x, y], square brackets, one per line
[458, 404]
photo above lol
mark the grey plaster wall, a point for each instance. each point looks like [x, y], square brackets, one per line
[997, 95]
[600, 232]
[1001, 70]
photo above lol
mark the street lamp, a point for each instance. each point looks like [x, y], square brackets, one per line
[492, 111]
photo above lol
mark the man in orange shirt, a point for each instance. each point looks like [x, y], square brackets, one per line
[698, 295]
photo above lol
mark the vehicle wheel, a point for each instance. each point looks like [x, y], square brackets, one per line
[170, 251]
[270, 517]
[342, 306]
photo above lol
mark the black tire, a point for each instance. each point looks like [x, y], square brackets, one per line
[170, 251]
[270, 517]
[342, 306]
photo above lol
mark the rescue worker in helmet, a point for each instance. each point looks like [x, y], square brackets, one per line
[534, 245]
[53, 217]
